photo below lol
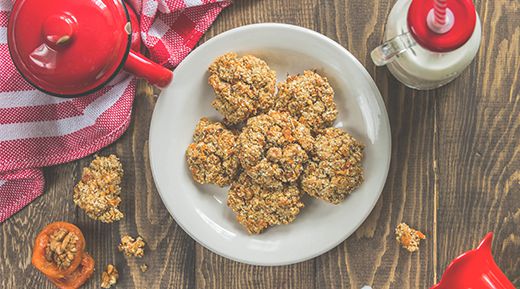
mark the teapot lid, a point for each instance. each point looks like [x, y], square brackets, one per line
[69, 48]
[458, 23]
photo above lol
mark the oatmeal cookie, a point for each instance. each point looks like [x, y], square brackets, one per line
[212, 156]
[273, 148]
[98, 192]
[408, 238]
[335, 167]
[244, 86]
[257, 208]
[309, 98]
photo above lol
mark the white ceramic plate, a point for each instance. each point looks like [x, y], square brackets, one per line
[201, 209]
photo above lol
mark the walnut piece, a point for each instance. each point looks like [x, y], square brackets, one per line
[273, 148]
[408, 238]
[61, 248]
[98, 191]
[212, 157]
[109, 276]
[335, 169]
[132, 247]
[309, 98]
[143, 268]
[244, 86]
[257, 208]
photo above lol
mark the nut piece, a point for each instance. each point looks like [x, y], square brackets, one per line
[143, 268]
[132, 247]
[61, 248]
[257, 208]
[212, 157]
[109, 276]
[244, 86]
[309, 98]
[98, 191]
[273, 148]
[408, 238]
[334, 170]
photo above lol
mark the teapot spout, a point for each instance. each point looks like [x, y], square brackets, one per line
[143, 67]
[485, 244]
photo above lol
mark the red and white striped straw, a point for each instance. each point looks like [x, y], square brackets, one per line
[439, 7]
[440, 18]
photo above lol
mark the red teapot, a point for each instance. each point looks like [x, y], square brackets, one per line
[475, 269]
[73, 48]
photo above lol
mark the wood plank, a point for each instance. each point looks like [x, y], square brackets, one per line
[371, 256]
[478, 128]
[214, 271]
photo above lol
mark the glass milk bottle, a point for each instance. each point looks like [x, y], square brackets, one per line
[428, 43]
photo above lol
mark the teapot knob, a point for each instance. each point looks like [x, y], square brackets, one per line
[59, 30]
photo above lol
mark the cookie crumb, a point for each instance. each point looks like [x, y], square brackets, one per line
[98, 191]
[109, 276]
[143, 268]
[408, 238]
[132, 247]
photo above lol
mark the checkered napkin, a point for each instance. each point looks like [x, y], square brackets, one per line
[38, 130]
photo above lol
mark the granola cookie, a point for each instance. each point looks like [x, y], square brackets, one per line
[98, 191]
[335, 169]
[273, 148]
[212, 157]
[408, 238]
[309, 98]
[258, 208]
[244, 86]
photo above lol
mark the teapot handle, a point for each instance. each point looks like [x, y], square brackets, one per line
[142, 67]
[386, 52]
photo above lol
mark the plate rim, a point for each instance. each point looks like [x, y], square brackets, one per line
[377, 96]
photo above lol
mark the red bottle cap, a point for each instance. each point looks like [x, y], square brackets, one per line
[463, 24]
[69, 48]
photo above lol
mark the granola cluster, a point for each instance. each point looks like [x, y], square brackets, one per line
[285, 146]
[309, 98]
[257, 207]
[132, 246]
[408, 238]
[61, 249]
[273, 148]
[334, 170]
[212, 157]
[244, 86]
[109, 276]
[98, 191]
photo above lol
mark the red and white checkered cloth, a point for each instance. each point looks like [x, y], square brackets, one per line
[38, 130]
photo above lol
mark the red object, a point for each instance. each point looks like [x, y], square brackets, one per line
[475, 269]
[463, 26]
[38, 130]
[72, 48]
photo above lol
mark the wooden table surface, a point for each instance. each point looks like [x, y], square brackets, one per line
[454, 174]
